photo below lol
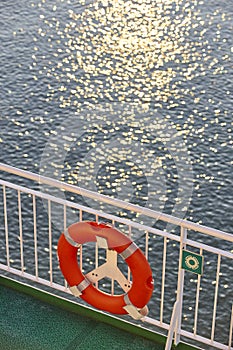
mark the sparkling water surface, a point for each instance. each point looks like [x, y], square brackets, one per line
[148, 60]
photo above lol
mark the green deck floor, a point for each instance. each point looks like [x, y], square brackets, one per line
[30, 324]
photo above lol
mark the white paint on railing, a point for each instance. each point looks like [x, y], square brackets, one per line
[6, 226]
[215, 297]
[20, 231]
[50, 243]
[180, 285]
[197, 301]
[163, 278]
[209, 248]
[35, 235]
[146, 244]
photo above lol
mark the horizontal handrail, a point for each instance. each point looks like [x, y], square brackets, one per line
[116, 202]
[115, 218]
[88, 209]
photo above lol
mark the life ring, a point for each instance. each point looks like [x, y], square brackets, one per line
[135, 300]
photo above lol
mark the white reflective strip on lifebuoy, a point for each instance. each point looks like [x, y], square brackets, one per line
[77, 290]
[70, 240]
[129, 251]
[126, 299]
[74, 290]
[132, 310]
[102, 242]
[83, 285]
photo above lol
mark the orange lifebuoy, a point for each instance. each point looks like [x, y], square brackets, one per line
[142, 281]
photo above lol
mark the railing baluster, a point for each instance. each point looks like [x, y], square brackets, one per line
[6, 226]
[35, 235]
[197, 301]
[64, 228]
[20, 231]
[231, 330]
[96, 260]
[163, 277]
[146, 244]
[215, 298]
[180, 285]
[130, 234]
[50, 243]
[112, 286]
[80, 251]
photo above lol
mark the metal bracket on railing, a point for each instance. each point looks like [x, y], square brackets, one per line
[173, 325]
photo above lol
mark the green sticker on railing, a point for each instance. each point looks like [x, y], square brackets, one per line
[192, 262]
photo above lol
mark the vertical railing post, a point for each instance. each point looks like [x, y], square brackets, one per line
[231, 330]
[216, 297]
[6, 227]
[20, 231]
[35, 235]
[50, 242]
[163, 278]
[180, 286]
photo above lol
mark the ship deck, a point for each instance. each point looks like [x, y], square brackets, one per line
[29, 323]
[34, 319]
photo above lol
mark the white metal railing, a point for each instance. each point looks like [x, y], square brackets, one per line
[28, 236]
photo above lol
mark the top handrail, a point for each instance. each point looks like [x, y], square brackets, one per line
[116, 202]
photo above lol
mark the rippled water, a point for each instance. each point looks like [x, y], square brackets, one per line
[129, 98]
[138, 64]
